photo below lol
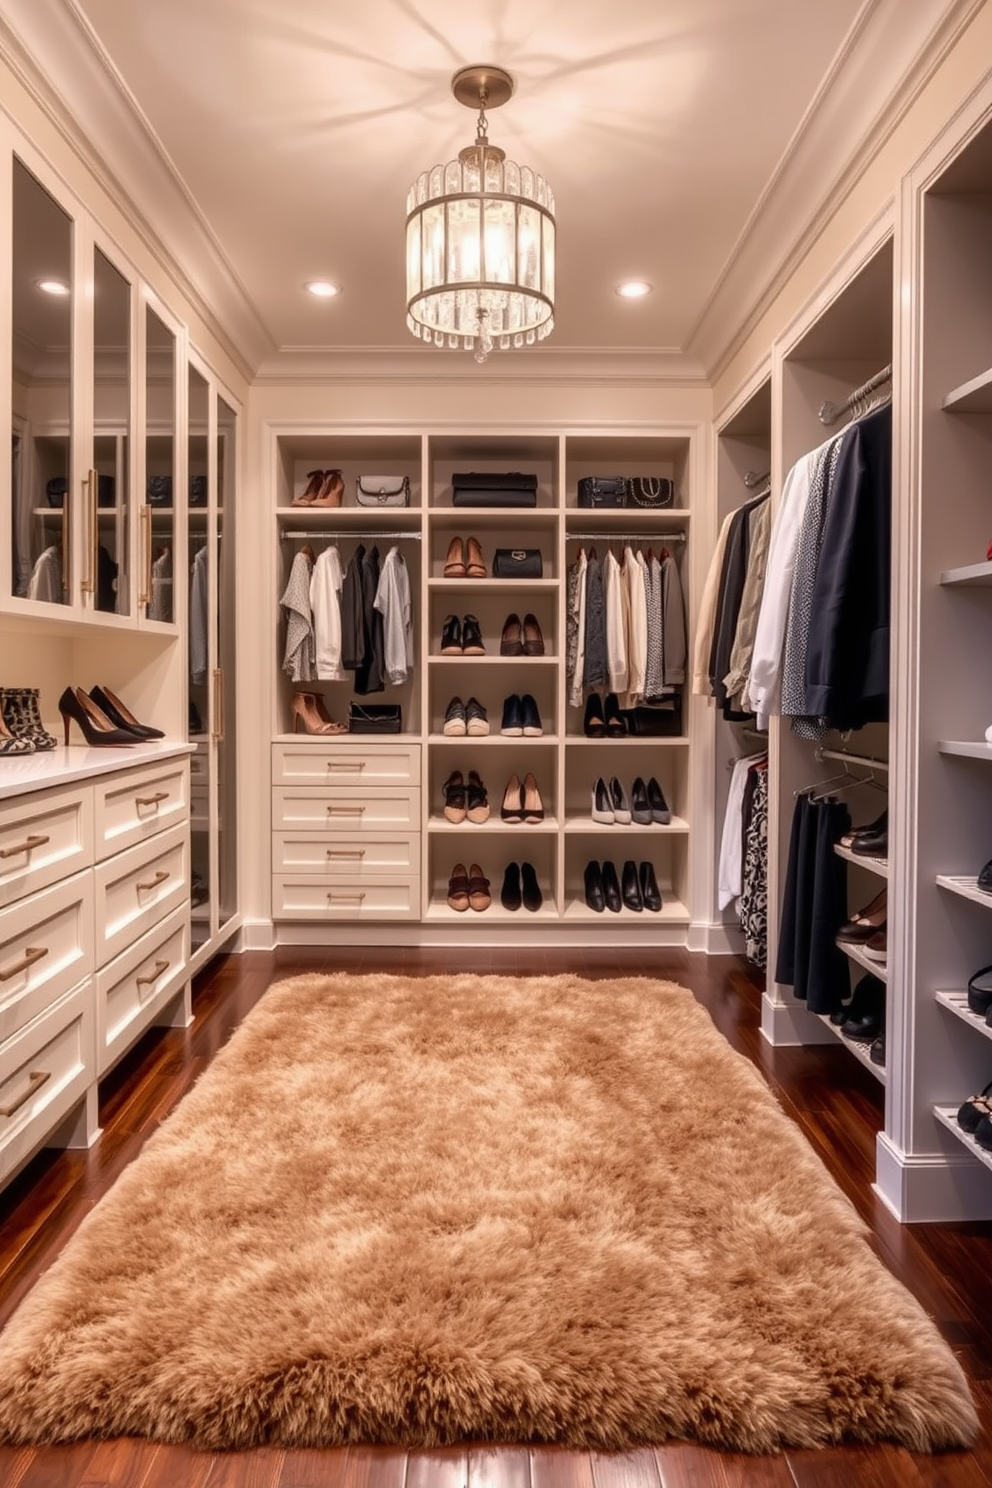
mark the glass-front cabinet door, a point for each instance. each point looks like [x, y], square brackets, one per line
[200, 662]
[108, 519]
[225, 709]
[158, 536]
[43, 520]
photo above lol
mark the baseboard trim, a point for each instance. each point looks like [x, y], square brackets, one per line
[715, 938]
[931, 1187]
[792, 1023]
[499, 936]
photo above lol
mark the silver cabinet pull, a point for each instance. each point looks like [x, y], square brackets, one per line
[346, 764]
[334, 810]
[24, 847]
[153, 976]
[151, 800]
[346, 852]
[36, 1079]
[349, 896]
[31, 955]
[160, 877]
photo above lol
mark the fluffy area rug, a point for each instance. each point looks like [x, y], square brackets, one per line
[422, 1210]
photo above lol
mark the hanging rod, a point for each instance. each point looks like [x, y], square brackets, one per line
[867, 761]
[659, 537]
[326, 535]
[752, 478]
[831, 412]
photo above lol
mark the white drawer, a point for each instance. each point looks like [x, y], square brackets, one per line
[44, 1071]
[295, 897]
[132, 807]
[350, 762]
[45, 836]
[138, 888]
[136, 984]
[346, 857]
[345, 811]
[46, 947]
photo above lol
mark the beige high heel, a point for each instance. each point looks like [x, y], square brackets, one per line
[315, 480]
[308, 709]
[332, 491]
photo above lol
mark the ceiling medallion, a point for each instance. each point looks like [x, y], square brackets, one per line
[480, 240]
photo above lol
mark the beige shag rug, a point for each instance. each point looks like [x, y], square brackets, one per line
[419, 1210]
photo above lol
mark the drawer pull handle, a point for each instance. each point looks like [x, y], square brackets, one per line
[23, 847]
[153, 976]
[36, 1079]
[151, 800]
[160, 877]
[346, 852]
[345, 810]
[31, 955]
[353, 897]
[346, 764]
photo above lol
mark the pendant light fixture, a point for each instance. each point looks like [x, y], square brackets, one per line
[480, 239]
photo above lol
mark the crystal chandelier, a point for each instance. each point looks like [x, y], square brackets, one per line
[480, 240]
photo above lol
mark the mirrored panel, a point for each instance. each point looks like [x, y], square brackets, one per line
[112, 404]
[42, 402]
[200, 722]
[160, 431]
[225, 724]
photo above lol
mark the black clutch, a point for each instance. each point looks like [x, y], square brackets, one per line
[602, 490]
[374, 718]
[493, 488]
[517, 563]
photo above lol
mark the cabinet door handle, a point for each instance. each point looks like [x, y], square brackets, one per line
[145, 534]
[31, 955]
[160, 877]
[88, 583]
[25, 846]
[218, 728]
[346, 764]
[334, 810]
[153, 976]
[66, 540]
[151, 800]
[346, 852]
[36, 1079]
[349, 897]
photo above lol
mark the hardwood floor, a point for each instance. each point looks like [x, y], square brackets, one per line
[836, 1102]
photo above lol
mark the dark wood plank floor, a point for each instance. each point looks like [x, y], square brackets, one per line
[836, 1102]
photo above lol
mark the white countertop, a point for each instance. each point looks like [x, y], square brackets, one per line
[20, 773]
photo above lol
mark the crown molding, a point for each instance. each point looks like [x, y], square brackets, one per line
[576, 365]
[86, 100]
[891, 53]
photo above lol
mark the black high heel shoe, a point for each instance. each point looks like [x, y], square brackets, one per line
[94, 724]
[616, 724]
[594, 723]
[120, 716]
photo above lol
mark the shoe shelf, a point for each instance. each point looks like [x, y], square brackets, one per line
[860, 1051]
[497, 740]
[586, 826]
[439, 824]
[504, 661]
[958, 1004]
[967, 748]
[972, 573]
[874, 865]
[948, 1116]
[855, 953]
[966, 886]
[440, 910]
[672, 912]
[627, 741]
[509, 587]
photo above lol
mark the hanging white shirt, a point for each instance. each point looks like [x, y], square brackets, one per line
[325, 607]
[616, 639]
[633, 572]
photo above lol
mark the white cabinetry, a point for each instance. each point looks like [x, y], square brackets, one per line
[94, 932]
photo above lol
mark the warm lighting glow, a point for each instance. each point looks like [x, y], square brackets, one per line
[53, 286]
[480, 241]
[633, 289]
[322, 289]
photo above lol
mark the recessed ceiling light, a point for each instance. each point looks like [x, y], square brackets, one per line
[322, 289]
[53, 286]
[633, 289]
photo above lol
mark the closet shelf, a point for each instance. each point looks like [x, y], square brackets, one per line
[509, 587]
[497, 740]
[966, 886]
[874, 865]
[860, 1051]
[494, 824]
[623, 517]
[968, 748]
[468, 517]
[958, 1003]
[346, 517]
[855, 953]
[586, 826]
[513, 661]
[627, 741]
[972, 573]
[439, 910]
[948, 1116]
[672, 912]
[973, 396]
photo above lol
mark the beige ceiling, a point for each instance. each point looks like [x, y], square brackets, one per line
[688, 142]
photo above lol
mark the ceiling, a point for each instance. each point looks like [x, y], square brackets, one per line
[688, 142]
